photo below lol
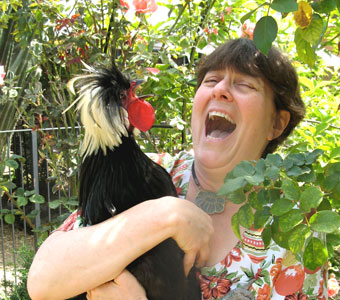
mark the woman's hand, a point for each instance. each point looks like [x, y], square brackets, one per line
[124, 287]
[192, 230]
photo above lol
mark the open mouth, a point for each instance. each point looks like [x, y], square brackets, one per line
[219, 125]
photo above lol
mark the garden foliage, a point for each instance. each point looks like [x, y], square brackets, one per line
[45, 42]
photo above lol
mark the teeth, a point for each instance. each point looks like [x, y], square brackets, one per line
[214, 114]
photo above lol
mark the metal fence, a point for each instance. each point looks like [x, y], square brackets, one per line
[33, 174]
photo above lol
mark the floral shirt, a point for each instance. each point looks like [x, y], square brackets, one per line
[269, 273]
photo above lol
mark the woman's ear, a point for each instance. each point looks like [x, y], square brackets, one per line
[280, 123]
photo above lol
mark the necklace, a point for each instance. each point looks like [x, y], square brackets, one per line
[208, 201]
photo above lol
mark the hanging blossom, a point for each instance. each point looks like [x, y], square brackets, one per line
[145, 6]
[140, 6]
[2, 75]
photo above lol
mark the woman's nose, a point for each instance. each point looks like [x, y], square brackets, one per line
[221, 91]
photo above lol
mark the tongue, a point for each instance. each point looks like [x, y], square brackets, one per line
[219, 134]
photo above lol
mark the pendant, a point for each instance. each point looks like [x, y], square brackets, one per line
[209, 202]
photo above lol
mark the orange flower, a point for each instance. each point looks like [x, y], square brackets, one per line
[264, 293]
[214, 287]
[303, 16]
[145, 6]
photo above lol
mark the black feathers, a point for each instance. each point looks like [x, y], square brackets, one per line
[116, 175]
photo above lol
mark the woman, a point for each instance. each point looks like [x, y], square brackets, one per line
[246, 104]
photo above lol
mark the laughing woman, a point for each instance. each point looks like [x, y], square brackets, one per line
[246, 104]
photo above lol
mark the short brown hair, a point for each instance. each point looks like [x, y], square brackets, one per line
[242, 56]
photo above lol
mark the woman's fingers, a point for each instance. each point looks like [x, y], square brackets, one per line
[125, 287]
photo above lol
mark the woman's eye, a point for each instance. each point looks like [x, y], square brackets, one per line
[246, 85]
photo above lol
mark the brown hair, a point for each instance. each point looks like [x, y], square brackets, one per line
[242, 56]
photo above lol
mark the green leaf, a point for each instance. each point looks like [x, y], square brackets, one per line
[279, 237]
[325, 221]
[245, 216]
[232, 185]
[310, 198]
[29, 193]
[256, 179]
[273, 160]
[265, 33]
[313, 156]
[235, 225]
[22, 201]
[260, 167]
[11, 163]
[37, 199]
[290, 220]
[333, 239]
[19, 192]
[284, 6]
[313, 32]
[237, 197]
[330, 182]
[272, 172]
[282, 206]
[253, 201]
[261, 217]
[9, 219]
[298, 237]
[307, 177]
[244, 168]
[298, 159]
[266, 236]
[54, 204]
[290, 189]
[315, 254]
[304, 49]
[324, 6]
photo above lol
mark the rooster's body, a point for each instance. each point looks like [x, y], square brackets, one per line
[116, 175]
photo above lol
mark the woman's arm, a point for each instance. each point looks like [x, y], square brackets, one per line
[69, 263]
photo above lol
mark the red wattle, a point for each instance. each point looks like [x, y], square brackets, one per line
[141, 115]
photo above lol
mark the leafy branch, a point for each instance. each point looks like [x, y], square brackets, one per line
[291, 200]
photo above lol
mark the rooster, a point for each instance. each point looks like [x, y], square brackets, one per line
[115, 175]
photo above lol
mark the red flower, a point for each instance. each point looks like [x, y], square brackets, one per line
[233, 255]
[214, 287]
[264, 293]
[145, 6]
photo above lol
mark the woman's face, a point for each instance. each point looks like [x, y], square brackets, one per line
[233, 119]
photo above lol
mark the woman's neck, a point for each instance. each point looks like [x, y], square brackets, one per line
[209, 179]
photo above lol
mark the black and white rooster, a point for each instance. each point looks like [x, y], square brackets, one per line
[115, 175]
